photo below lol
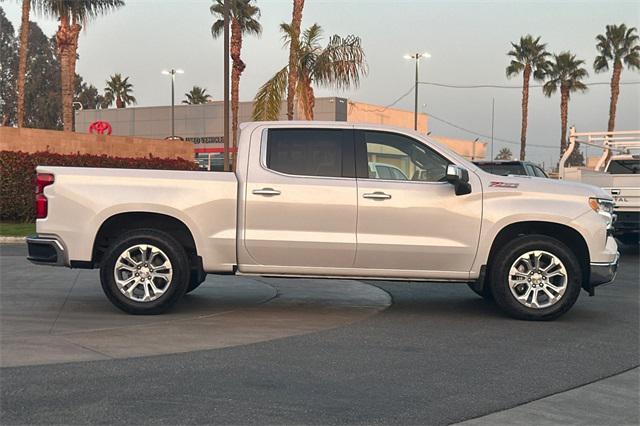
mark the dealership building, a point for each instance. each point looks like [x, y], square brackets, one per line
[203, 124]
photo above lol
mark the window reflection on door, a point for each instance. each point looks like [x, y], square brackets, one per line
[396, 157]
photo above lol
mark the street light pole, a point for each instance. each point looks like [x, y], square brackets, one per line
[416, 57]
[173, 73]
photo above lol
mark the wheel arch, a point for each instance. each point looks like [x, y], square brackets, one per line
[122, 222]
[569, 236]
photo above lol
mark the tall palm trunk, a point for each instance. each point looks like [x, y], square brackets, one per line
[294, 46]
[525, 110]
[67, 45]
[564, 113]
[22, 65]
[615, 92]
[236, 72]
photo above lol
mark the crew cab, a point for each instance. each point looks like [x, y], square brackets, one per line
[303, 202]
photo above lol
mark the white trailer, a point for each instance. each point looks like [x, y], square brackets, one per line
[617, 171]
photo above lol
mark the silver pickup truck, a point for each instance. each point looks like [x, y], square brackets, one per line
[304, 202]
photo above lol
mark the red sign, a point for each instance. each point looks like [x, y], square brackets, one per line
[100, 127]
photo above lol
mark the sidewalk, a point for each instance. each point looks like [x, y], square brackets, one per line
[611, 401]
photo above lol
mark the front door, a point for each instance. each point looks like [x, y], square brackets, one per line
[409, 217]
[301, 200]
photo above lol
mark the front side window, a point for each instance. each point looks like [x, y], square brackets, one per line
[391, 156]
[307, 152]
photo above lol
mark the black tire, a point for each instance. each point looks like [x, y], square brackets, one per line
[507, 255]
[180, 271]
[196, 279]
[485, 293]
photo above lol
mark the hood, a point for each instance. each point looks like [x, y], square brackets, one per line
[538, 184]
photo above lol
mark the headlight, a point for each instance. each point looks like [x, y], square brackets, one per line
[603, 207]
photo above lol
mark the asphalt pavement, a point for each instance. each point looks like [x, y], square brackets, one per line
[437, 355]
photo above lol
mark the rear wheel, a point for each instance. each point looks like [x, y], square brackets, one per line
[535, 277]
[145, 272]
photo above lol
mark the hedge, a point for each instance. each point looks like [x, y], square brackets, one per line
[18, 174]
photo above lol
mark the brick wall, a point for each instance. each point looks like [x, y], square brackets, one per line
[36, 140]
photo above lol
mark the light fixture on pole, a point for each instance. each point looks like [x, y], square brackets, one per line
[416, 57]
[173, 73]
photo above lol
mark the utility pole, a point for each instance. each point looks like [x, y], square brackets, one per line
[226, 86]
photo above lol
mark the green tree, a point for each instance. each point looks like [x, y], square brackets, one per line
[294, 49]
[43, 107]
[119, 90]
[72, 15]
[339, 65]
[529, 56]
[618, 45]
[565, 72]
[8, 70]
[88, 95]
[504, 154]
[197, 95]
[244, 20]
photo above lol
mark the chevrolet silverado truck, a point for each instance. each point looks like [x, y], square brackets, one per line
[303, 202]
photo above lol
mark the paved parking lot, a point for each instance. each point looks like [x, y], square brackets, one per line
[374, 353]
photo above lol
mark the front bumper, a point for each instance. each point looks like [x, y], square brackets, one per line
[46, 251]
[602, 273]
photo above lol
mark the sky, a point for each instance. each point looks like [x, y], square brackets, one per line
[467, 40]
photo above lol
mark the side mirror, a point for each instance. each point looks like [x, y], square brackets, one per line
[459, 178]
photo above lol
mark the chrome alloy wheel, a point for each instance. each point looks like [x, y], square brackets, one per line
[538, 279]
[143, 273]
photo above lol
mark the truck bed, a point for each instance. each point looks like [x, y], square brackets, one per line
[204, 202]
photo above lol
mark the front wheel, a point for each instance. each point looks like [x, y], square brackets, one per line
[535, 277]
[145, 272]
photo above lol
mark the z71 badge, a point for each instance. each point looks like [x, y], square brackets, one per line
[497, 184]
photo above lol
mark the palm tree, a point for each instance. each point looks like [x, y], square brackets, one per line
[73, 14]
[339, 65]
[197, 95]
[22, 61]
[617, 45]
[294, 47]
[118, 90]
[504, 154]
[244, 20]
[529, 56]
[564, 72]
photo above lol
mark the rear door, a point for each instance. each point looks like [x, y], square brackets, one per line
[413, 221]
[301, 200]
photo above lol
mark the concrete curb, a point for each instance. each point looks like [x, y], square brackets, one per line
[12, 240]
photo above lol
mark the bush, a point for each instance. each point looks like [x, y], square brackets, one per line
[18, 174]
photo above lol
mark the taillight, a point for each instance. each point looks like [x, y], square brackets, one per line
[42, 180]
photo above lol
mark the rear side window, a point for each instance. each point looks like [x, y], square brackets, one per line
[311, 152]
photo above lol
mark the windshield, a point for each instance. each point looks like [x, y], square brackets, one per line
[503, 169]
[624, 167]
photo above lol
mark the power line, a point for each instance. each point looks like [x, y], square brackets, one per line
[485, 136]
[506, 86]
[386, 107]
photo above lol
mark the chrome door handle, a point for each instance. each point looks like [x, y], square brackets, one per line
[266, 191]
[377, 196]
